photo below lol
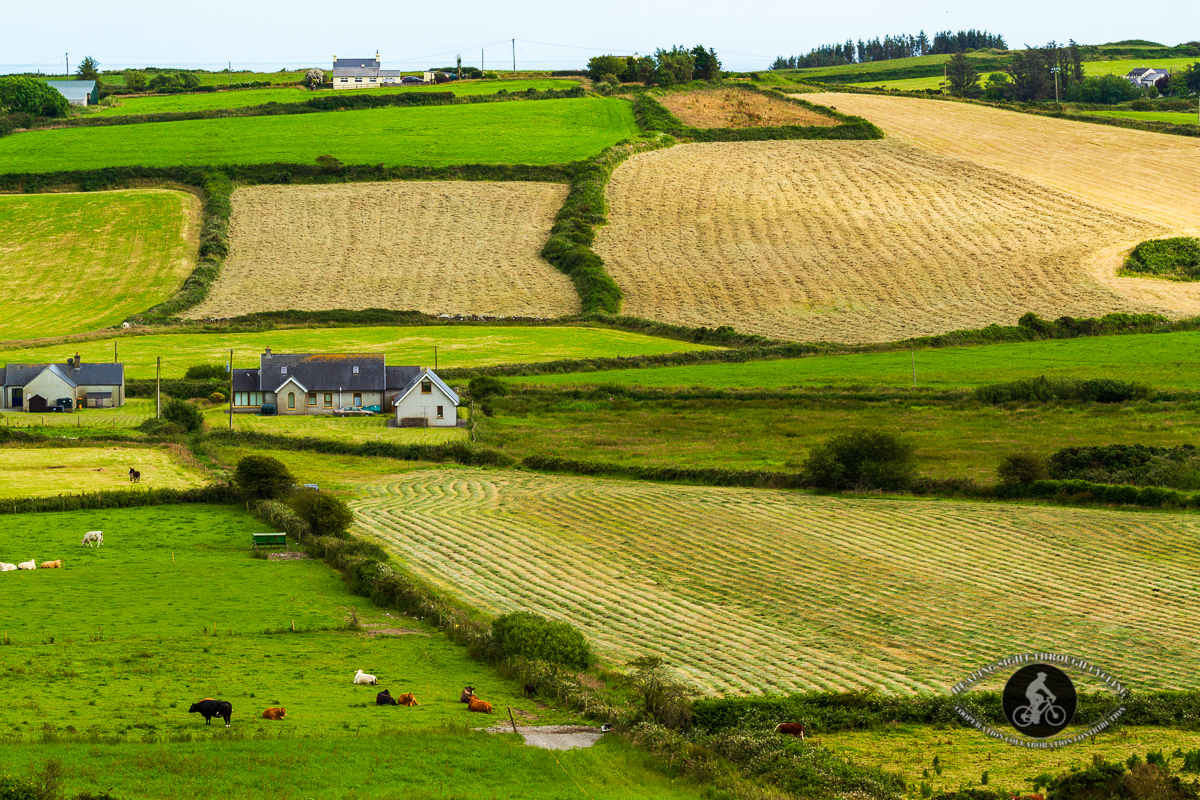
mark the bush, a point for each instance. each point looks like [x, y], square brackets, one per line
[217, 397]
[135, 80]
[486, 386]
[161, 427]
[325, 514]
[19, 94]
[281, 517]
[1177, 258]
[1104, 90]
[206, 372]
[1023, 468]
[183, 414]
[1043, 389]
[861, 459]
[522, 633]
[262, 478]
[13, 788]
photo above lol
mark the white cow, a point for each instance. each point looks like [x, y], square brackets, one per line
[7, 567]
[361, 677]
[30, 564]
[93, 536]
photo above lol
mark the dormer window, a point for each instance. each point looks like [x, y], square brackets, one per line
[426, 387]
[355, 370]
[283, 370]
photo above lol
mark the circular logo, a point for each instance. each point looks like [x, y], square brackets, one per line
[1039, 700]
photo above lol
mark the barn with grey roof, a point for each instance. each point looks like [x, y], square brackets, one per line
[78, 93]
[36, 387]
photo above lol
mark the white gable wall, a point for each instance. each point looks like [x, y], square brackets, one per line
[419, 404]
[49, 386]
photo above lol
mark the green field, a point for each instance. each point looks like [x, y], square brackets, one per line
[111, 650]
[326, 426]
[568, 130]
[743, 590]
[1174, 117]
[80, 261]
[904, 84]
[1162, 360]
[238, 98]
[46, 472]
[457, 346]
[1090, 68]
[952, 441]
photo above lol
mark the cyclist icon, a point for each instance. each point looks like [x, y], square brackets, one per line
[1041, 702]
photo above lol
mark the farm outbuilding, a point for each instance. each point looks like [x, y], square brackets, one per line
[33, 387]
[78, 93]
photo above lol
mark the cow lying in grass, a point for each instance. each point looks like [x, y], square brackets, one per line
[51, 564]
[30, 564]
[467, 694]
[213, 708]
[407, 699]
[479, 705]
[275, 712]
[363, 679]
[93, 536]
[7, 567]
[385, 698]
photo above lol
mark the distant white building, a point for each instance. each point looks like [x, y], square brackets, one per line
[78, 93]
[362, 73]
[1146, 77]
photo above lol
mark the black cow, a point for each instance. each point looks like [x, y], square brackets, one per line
[213, 708]
[385, 698]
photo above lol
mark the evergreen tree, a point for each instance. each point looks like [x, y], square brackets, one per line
[962, 76]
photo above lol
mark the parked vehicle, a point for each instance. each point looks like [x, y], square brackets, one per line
[352, 411]
[409, 79]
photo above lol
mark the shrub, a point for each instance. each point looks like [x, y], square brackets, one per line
[203, 372]
[861, 459]
[486, 386]
[1177, 258]
[523, 633]
[262, 478]
[135, 80]
[667, 701]
[1023, 468]
[183, 414]
[217, 397]
[161, 427]
[1043, 389]
[1103, 89]
[14, 788]
[325, 514]
[278, 515]
[24, 95]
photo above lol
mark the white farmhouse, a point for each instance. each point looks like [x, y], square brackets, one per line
[363, 73]
[1146, 77]
[425, 397]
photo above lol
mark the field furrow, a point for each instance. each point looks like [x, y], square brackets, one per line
[852, 241]
[749, 591]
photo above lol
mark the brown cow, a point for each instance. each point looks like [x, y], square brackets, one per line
[479, 705]
[791, 729]
[467, 694]
[275, 712]
[51, 564]
[407, 699]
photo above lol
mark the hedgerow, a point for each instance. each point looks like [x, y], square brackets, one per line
[459, 452]
[213, 493]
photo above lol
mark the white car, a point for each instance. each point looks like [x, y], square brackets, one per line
[353, 411]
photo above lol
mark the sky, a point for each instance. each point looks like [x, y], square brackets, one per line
[266, 36]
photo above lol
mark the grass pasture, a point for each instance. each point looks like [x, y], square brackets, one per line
[435, 136]
[708, 578]
[107, 691]
[326, 426]
[239, 98]
[457, 346]
[80, 261]
[405, 256]
[1174, 117]
[834, 241]
[51, 471]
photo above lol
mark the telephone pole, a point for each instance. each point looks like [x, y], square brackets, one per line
[231, 390]
[67, 59]
[514, 45]
[158, 390]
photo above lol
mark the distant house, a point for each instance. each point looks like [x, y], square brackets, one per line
[33, 387]
[363, 73]
[78, 93]
[321, 383]
[1146, 77]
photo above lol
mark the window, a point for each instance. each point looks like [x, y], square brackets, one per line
[358, 80]
[345, 80]
[291, 399]
[247, 398]
[283, 370]
[439, 412]
[329, 399]
[358, 399]
[372, 80]
[426, 387]
[312, 399]
[355, 370]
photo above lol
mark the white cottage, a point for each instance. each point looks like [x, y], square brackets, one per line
[36, 386]
[426, 397]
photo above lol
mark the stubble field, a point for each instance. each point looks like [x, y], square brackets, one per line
[734, 108]
[80, 261]
[752, 591]
[850, 241]
[437, 247]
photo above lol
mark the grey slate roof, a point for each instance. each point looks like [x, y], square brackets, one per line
[74, 90]
[400, 378]
[454, 398]
[245, 380]
[98, 374]
[356, 72]
[324, 372]
[359, 63]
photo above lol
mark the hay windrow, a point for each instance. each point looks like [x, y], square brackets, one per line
[851, 241]
[737, 108]
[434, 246]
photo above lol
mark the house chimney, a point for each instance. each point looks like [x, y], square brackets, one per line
[78, 361]
[376, 56]
[268, 351]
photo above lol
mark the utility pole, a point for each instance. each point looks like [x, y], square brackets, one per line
[229, 74]
[435, 358]
[158, 390]
[67, 59]
[1055, 71]
[482, 63]
[913, 355]
[231, 389]
[115, 360]
[514, 45]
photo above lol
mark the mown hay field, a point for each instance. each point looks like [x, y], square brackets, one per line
[737, 108]
[752, 591]
[429, 136]
[457, 346]
[81, 261]
[850, 241]
[48, 472]
[456, 247]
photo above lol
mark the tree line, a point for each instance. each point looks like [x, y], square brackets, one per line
[665, 68]
[901, 46]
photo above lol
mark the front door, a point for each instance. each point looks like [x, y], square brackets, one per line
[18, 399]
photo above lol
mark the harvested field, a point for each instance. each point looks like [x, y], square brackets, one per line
[851, 241]
[46, 472]
[744, 590]
[437, 247]
[735, 108]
